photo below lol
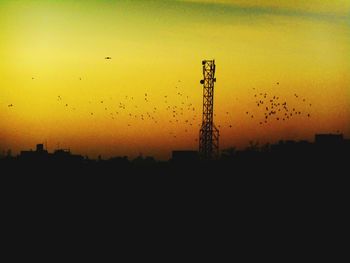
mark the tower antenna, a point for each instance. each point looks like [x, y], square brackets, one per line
[208, 134]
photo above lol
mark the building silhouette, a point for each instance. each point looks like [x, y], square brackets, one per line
[41, 154]
[327, 153]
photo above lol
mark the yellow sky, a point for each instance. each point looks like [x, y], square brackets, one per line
[338, 7]
[50, 49]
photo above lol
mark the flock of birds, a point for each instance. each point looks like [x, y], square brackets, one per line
[182, 113]
[276, 108]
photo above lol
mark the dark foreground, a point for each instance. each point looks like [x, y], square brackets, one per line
[275, 202]
[246, 175]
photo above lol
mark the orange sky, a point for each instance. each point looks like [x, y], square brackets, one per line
[52, 55]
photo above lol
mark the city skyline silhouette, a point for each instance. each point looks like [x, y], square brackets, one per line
[337, 143]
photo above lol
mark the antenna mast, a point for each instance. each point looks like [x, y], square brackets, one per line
[208, 134]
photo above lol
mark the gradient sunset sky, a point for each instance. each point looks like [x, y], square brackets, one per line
[57, 87]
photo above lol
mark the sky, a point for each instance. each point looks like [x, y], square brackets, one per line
[58, 88]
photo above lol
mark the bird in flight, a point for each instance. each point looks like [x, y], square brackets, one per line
[108, 58]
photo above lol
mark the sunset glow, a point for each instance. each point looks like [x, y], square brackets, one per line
[58, 88]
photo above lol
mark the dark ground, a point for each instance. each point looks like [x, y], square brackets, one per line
[261, 204]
